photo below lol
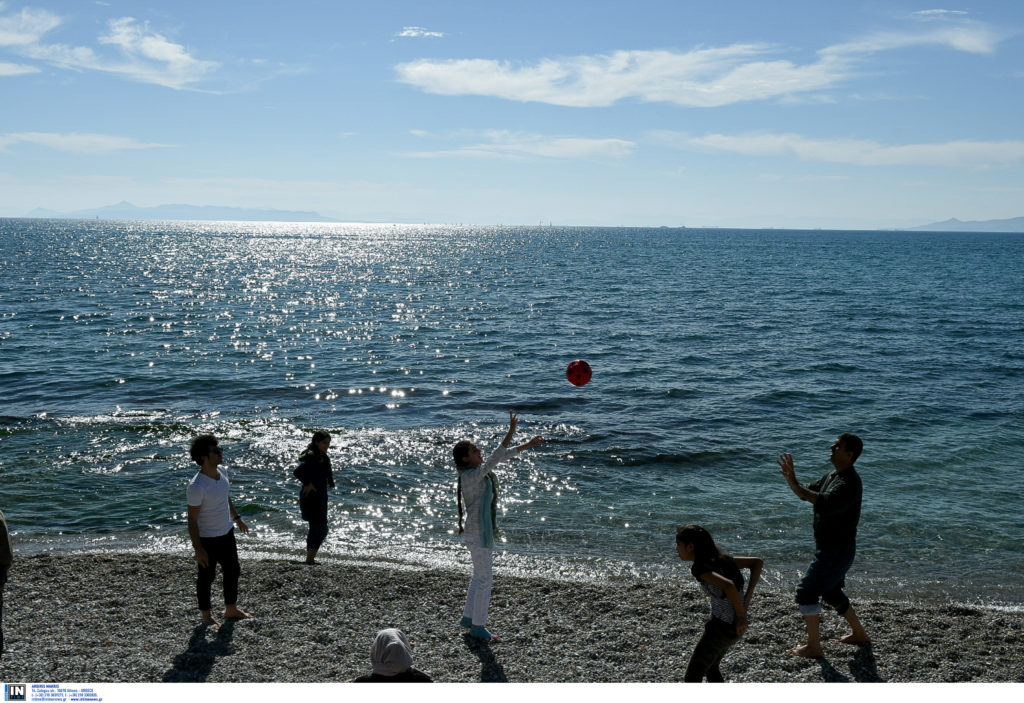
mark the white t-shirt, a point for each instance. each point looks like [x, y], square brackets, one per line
[211, 496]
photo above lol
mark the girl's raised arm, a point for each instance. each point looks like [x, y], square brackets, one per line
[513, 422]
[536, 441]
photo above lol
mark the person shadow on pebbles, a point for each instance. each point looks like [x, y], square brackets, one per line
[196, 662]
[491, 670]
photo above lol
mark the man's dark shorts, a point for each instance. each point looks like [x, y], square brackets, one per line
[825, 579]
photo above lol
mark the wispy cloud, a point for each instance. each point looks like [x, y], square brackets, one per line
[417, 32]
[938, 14]
[142, 55]
[970, 37]
[859, 152]
[499, 144]
[129, 48]
[26, 27]
[699, 78]
[76, 143]
[15, 69]
[702, 77]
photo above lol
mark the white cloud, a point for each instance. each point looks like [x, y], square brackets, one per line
[14, 69]
[972, 38]
[137, 41]
[937, 14]
[699, 78]
[26, 27]
[142, 55]
[859, 152]
[508, 145]
[418, 32]
[76, 143]
[703, 77]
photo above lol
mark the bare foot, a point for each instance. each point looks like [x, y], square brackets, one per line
[208, 618]
[855, 638]
[808, 652]
[233, 613]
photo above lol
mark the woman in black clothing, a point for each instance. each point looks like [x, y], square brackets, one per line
[315, 472]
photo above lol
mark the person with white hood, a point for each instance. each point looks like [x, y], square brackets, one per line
[391, 656]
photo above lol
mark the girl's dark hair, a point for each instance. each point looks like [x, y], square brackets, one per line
[318, 436]
[706, 552]
[460, 451]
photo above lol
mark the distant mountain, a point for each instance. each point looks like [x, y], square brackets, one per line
[127, 211]
[1015, 224]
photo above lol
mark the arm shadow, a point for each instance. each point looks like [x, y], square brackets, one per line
[491, 671]
[196, 662]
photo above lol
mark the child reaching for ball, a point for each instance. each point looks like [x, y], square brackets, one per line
[479, 486]
[719, 575]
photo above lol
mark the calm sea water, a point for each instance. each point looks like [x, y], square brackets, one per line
[713, 351]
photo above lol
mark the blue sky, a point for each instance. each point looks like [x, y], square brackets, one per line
[745, 114]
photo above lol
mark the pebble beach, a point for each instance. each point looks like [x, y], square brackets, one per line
[132, 618]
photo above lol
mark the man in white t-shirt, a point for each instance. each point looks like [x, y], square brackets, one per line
[211, 515]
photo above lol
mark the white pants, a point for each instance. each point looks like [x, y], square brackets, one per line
[479, 596]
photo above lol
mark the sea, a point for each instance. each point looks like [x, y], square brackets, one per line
[713, 351]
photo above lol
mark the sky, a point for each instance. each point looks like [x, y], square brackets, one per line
[854, 114]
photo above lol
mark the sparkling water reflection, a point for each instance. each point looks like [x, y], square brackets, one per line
[712, 351]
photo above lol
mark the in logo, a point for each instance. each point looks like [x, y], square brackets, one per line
[15, 692]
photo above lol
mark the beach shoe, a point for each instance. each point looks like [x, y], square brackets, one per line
[480, 632]
[466, 622]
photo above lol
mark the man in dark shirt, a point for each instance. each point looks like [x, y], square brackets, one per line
[836, 498]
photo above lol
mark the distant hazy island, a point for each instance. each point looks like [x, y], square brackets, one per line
[1014, 224]
[127, 211]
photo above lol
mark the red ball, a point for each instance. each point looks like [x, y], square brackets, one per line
[578, 372]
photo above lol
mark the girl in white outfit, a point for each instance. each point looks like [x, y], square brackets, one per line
[478, 486]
